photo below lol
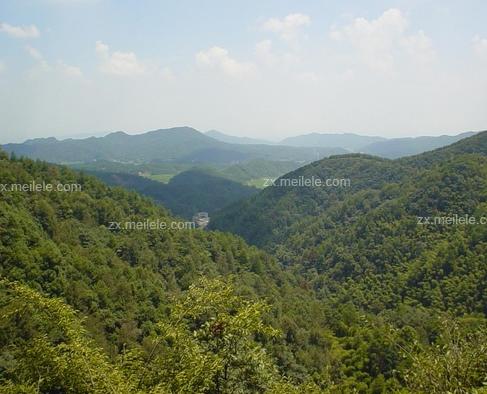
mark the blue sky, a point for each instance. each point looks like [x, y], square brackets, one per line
[259, 68]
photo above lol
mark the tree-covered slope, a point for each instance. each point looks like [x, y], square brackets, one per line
[86, 248]
[263, 218]
[90, 302]
[396, 245]
[387, 239]
[186, 193]
[79, 246]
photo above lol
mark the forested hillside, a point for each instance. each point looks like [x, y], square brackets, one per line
[266, 216]
[186, 193]
[91, 302]
[123, 281]
[378, 238]
[390, 241]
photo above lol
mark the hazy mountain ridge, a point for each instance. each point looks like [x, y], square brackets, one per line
[399, 147]
[237, 140]
[180, 144]
[375, 145]
[350, 141]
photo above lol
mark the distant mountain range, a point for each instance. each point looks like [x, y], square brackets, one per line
[187, 145]
[179, 144]
[378, 146]
[349, 141]
[237, 140]
[399, 147]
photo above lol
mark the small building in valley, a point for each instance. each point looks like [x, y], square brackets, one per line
[201, 219]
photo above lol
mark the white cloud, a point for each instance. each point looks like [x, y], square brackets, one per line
[263, 52]
[219, 59]
[68, 70]
[36, 55]
[33, 52]
[378, 41]
[374, 39]
[480, 47]
[419, 46]
[43, 65]
[284, 61]
[288, 27]
[20, 31]
[118, 63]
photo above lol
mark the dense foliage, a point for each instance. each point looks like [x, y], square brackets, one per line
[352, 294]
[186, 193]
[206, 344]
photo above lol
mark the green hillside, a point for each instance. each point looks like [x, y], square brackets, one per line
[357, 297]
[79, 246]
[266, 217]
[186, 193]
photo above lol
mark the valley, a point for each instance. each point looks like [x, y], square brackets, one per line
[246, 197]
[349, 276]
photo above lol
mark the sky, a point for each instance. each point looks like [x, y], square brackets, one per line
[257, 68]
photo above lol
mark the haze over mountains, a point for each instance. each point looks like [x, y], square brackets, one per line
[399, 147]
[352, 142]
[236, 140]
[380, 146]
[185, 144]
[188, 171]
[180, 144]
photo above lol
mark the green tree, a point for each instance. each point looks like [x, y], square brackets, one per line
[456, 363]
[208, 344]
[48, 350]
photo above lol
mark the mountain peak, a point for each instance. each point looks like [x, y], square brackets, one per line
[117, 134]
[47, 140]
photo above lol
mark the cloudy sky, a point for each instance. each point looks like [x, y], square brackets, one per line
[261, 68]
